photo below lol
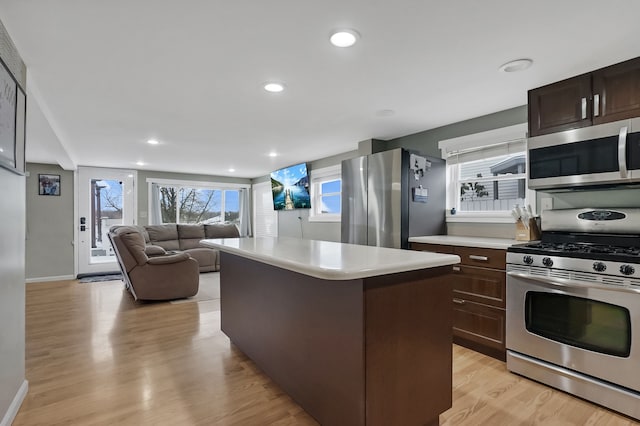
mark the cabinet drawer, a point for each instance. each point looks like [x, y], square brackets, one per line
[483, 257]
[481, 324]
[436, 248]
[480, 285]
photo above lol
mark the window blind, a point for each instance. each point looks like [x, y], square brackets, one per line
[493, 143]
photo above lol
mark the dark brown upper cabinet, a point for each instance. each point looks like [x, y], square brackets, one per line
[616, 92]
[602, 96]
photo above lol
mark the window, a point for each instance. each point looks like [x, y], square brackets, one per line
[194, 202]
[326, 190]
[486, 175]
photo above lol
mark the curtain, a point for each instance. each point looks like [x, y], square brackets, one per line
[155, 216]
[245, 213]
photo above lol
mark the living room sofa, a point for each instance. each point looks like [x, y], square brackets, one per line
[172, 276]
[185, 238]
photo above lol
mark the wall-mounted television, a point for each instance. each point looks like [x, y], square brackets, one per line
[290, 188]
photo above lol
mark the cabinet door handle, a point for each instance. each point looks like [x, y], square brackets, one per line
[458, 301]
[455, 268]
[481, 258]
[583, 103]
[596, 105]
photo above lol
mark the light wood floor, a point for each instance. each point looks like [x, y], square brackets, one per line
[96, 357]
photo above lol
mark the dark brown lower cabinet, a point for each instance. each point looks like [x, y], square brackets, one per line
[479, 309]
[479, 296]
[479, 327]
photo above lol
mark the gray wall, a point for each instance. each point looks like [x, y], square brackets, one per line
[143, 187]
[12, 253]
[427, 143]
[49, 225]
[296, 223]
[12, 301]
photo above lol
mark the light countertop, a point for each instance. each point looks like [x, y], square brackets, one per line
[453, 240]
[330, 260]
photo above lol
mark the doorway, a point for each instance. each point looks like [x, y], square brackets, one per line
[106, 197]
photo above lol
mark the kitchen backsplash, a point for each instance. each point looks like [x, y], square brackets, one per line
[592, 198]
[491, 230]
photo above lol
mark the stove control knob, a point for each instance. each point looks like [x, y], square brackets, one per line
[599, 267]
[546, 261]
[627, 270]
[528, 260]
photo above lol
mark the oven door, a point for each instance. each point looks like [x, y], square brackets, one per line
[581, 326]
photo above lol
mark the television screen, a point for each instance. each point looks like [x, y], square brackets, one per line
[290, 188]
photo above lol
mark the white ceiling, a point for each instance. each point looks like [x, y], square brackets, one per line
[105, 76]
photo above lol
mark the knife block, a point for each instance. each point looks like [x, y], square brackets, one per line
[527, 234]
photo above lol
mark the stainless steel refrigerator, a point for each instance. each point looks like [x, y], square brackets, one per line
[390, 196]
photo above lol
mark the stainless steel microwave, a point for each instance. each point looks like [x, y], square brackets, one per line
[605, 154]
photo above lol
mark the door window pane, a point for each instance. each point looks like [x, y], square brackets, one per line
[106, 211]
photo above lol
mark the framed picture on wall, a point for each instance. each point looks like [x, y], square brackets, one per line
[48, 184]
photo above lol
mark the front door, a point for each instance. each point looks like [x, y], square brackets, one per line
[106, 197]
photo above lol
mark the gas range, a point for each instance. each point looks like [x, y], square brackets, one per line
[588, 244]
[573, 300]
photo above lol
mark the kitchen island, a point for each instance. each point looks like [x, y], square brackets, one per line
[356, 335]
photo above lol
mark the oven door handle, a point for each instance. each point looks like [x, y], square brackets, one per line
[565, 283]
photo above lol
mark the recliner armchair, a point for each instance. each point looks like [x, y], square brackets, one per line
[166, 277]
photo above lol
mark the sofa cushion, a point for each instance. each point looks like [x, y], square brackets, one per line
[165, 236]
[206, 257]
[190, 236]
[186, 231]
[152, 250]
[128, 228]
[134, 241]
[222, 230]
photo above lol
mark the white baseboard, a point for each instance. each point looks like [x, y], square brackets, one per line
[11, 413]
[45, 279]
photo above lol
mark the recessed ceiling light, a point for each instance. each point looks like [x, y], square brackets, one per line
[139, 163]
[517, 65]
[153, 142]
[231, 170]
[344, 38]
[273, 86]
[273, 154]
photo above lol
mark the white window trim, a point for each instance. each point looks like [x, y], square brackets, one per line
[197, 183]
[317, 177]
[501, 136]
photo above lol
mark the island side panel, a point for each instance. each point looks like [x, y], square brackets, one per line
[408, 347]
[303, 332]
